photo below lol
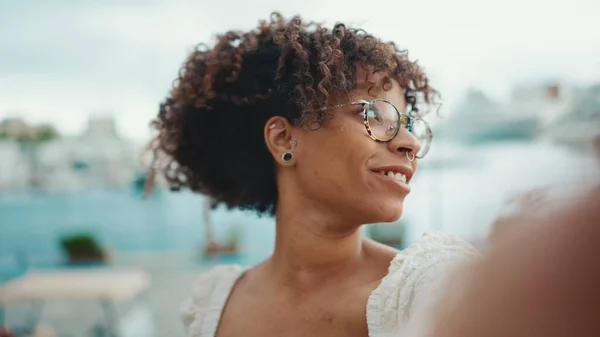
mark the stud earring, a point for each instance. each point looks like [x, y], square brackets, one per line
[294, 142]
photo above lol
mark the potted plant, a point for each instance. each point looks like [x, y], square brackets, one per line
[83, 248]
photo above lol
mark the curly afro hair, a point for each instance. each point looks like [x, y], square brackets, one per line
[210, 128]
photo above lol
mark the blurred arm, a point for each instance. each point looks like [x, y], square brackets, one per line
[541, 278]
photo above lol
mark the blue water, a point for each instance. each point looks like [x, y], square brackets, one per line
[459, 190]
[32, 223]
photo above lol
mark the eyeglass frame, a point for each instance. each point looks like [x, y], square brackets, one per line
[409, 123]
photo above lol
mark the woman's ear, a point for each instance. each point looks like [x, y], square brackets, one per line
[280, 140]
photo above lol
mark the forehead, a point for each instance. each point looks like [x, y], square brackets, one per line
[369, 86]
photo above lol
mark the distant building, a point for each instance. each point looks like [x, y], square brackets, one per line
[101, 128]
[586, 105]
[15, 171]
[545, 101]
[580, 126]
[98, 158]
[479, 119]
[33, 156]
[14, 128]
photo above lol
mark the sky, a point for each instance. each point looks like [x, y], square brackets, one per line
[64, 61]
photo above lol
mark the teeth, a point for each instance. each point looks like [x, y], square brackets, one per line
[401, 177]
[395, 175]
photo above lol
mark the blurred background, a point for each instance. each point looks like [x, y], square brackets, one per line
[80, 81]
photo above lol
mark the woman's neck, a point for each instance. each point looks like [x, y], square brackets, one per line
[312, 246]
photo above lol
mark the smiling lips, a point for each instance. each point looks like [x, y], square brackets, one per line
[394, 175]
[397, 175]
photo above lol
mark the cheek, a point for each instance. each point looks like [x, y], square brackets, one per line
[335, 173]
[333, 162]
[328, 166]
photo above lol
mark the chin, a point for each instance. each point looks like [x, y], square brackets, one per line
[394, 215]
[390, 212]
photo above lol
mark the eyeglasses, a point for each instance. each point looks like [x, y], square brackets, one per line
[383, 121]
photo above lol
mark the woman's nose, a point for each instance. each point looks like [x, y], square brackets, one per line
[405, 143]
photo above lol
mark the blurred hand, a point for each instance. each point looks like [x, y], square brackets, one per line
[6, 332]
[535, 205]
[541, 276]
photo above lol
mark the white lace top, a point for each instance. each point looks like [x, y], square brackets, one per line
[398, 305]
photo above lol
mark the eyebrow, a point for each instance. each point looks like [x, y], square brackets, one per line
[370, 88]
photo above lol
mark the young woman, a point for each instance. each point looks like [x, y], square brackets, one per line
[321, 129]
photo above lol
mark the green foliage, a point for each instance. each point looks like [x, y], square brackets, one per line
[45, 133]
[82, 247]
